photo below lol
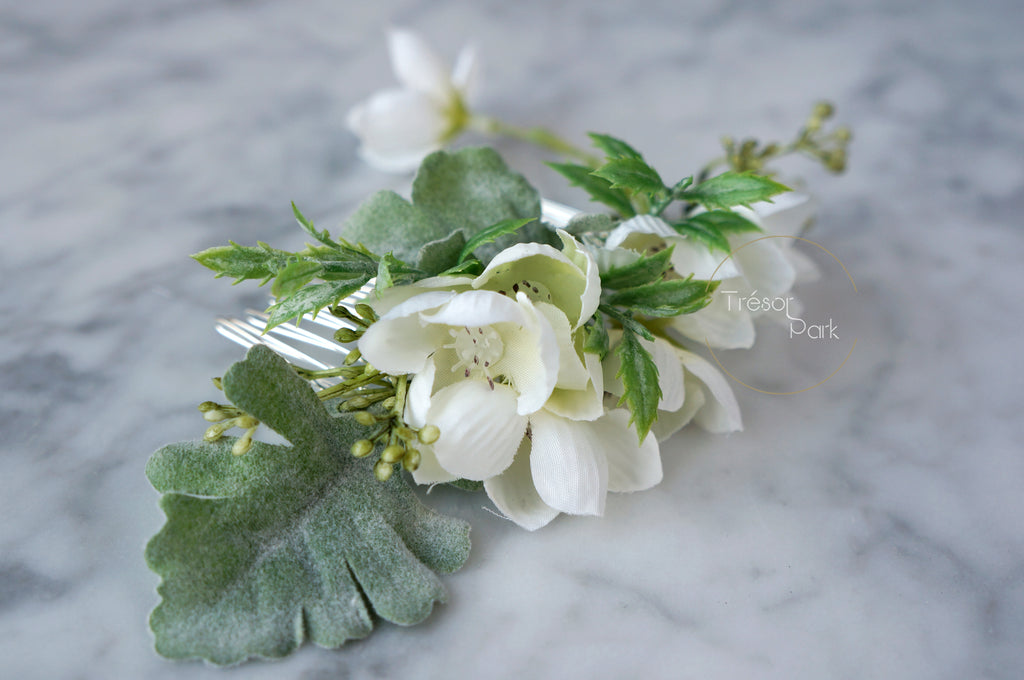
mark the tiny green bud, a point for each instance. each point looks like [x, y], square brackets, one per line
[843, 134]
[242, 445]
[392, 454]
[208, 406]
[215, 432]
[835, 161]
[217, 383]
[357, 403]
[412, 460]
[389, 403]
[823, 110]
[429, 434]
[382, 471]
[362, 448]
[366, 311]
[215, 416]
[405, 433]
[246, 421]
[365, 418]
[346, 335]
[353, 357]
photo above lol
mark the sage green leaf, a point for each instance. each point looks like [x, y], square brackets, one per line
[614, 147]
[664, 298]
[295, 276]
[639, 375]
[642, 270]
[599, 189]
[386, 222]
[313, 298]
[491, 234]
[321, 236]
[582, 224]
[472, 189]
[597, 337]
[287, 543]
[243, 262]
[631, 173]
[733, 188]
[437, 256]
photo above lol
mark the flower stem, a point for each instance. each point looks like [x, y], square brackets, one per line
[539, 136]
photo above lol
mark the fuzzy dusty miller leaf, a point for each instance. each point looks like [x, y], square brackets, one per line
[287, 543]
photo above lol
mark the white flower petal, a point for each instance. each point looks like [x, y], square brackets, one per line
[788, 214]
[400, 342]
[721, 413]
[641, 224]
[690, 257]
[398, 128]
[632, 466]
[480, 429]
[568, 464]
[670, 373]
[670, 422]
[531, 358]
[417, 66]
[430, 470]
[582, 404]
[582, 258]
[515, 495]
[572, 374]
[719, 326]
[417, 400]
[762, 264]
[466, 74]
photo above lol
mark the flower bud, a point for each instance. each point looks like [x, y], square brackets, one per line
[823, 110]
[242, 445]
[365, 418]
[429, 434]
[366, 311]
[357, 403]
[208, 406]
[392, 454]
[346, 335]
[362, 448]
[215, 432]
[412, 460]
[389, 403]
[382, 471]
[247, 422]
[215, 416]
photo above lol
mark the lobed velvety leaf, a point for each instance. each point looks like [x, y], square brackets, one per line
[386, 222]
[645, 269]
[599, 189]
[442, 254]
[582, 224]
[287, 543]
[631, 173]
[733, 188]
[491, 234]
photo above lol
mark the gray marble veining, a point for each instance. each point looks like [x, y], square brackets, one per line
[869, 528]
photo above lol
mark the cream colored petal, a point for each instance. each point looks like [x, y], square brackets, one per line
[582, 258]
[641, 224]
[572, 374]
[430, 470]
[670, 422]
[583, 404]
[400, 342]
[763, 264]
[632, 466]
[417, 400]
[690, 257]
[568, 464]
[717, 324]
[531, 357]
[417, 66]
[721, 412]
[466, 73]
[398, 128]
[515, 495]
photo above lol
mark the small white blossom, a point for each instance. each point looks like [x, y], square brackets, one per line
[398, 127]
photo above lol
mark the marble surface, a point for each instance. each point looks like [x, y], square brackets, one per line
[870, 528]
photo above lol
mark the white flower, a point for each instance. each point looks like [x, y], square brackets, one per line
[692, 390]
[399, 127]
[767, 267]
[498, 368]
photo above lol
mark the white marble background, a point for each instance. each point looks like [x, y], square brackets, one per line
[871, 528]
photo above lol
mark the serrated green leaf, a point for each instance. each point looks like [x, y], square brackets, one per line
[614, 147]
[639, 375]
[597, 337]
[642, 270]
[467, 268]
[437, 256]
[491, 234]
[321, 236]
[294, 276]
[733, 188]
[664, 298]
[313, 298]
[726, 221]
[393, 272]
[341, 262]
[705, 233]
[286, 543]
[599, 189]
[631, 173]
[583, 224]
[243, 262]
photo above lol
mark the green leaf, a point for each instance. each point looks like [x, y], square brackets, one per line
[597, 337]
[733, 188]
[321, 236]
[639, 375]
[492, 233]
[583, 223]
[614, 147]
[473, 189]
[468, 268]
[725, 221]
[437, 256]
[393, 272]
[640, 271]
[287, 543]
[705, 233]
[631, 173]
[313, 298]
[341, 262]
[293, 277]
[243, 262]
[599, 189]
[386, 222]
[664, 298]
